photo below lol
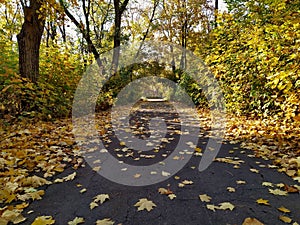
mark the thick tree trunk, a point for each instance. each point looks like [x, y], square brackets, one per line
[29, 40]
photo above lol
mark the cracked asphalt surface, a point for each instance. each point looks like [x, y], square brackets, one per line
[64, 201]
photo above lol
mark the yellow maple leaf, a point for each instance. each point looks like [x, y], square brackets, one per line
[101, 198]
[172, 196]
[77, 220]
[144, 203]
[93, 205]
[43, 220]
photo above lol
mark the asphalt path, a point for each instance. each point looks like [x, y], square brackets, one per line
[64, 201]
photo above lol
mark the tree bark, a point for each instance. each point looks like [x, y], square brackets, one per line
[29, 40]
[119, 9]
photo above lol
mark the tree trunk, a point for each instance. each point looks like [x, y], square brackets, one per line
[119, 9]
[29, 40]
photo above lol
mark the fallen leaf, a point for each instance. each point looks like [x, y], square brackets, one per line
[226, 205]
[186, 182]
[230, 189]
[254, 170]
[212, 207]
[291, 189]
[105, 221]
[97, 168]
[172, 196]
[267, 184]
[252, 221]
[241, 182]
[165, 191]
[14, 216]
[93, 205]
[165, 174]
[137, 175]
[144, 203]
[70, 177]
[43, 220]
[76, 221]
[283, 209]
[82, 190]
[285, 219]
[101, 198]
[205, 198]
[262, 201]
[277, 192]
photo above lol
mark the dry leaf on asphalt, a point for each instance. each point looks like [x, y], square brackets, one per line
[172, 196]
[252, 221]
[267, 184]
[106, 221]
[165, 191]
[241, 182]
[76, 221]
[226, 205]
[101, 198]
[277, 192]
[13, 216]
[205, 198]
[186, 182]
[230, 189]
[262, 201]
[144, 203]
[93, 205]
[283, 209]
[285, 219]
[212, 207]
[43, 220]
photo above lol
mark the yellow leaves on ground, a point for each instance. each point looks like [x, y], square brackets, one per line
[144, 203]
[43, 220]
[168, 192]
[33, 194]
[99, 199]
[222, 206]
[252, 221]
[185, 182]
[272, 139]
[24, 154]
[105, 221]
[35, 181]
[13, 216]
[77, 220]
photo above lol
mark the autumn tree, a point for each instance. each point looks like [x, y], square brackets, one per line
[29, 39]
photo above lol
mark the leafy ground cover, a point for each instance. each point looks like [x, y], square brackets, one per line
[34, 152]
